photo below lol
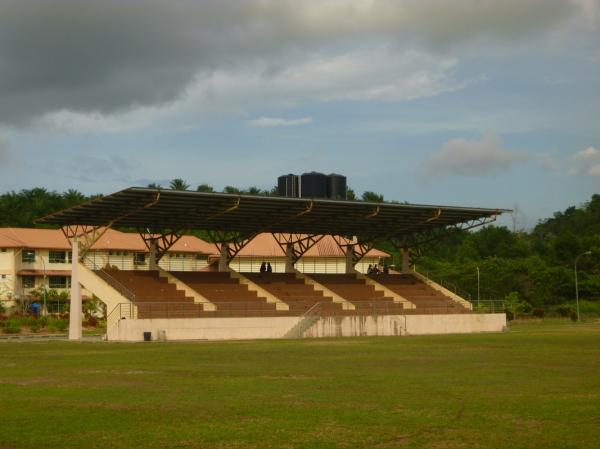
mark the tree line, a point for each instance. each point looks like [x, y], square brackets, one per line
[535, 266]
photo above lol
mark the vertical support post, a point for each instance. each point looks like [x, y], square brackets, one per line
[406, 259]
[75, 309]
[152, 264]
[289, 258]
[224, 259]
[349, 259]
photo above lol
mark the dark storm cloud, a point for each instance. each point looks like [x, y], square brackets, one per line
[108, 56]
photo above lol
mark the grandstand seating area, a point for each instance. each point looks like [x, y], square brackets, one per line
[155, 297]
[227, 294]
[363, 296]
[425, 298]
[299, 296]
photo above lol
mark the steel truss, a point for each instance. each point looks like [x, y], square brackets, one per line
[86, 236]
[161, 240]
[418, 241]
[233, 242]
[359, 248]
[299, 243]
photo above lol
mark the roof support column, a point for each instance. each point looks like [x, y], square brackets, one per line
[349, 259]
[229, 245]
[224, 258]
[289, 258]
[153, 263]
[75, 306]
[405, 259]
[295, 246]
[158, 242]
[353, 249]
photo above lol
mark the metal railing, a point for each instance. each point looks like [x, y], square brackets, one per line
[489, 306]
[445, 283]
[240, 309]
[110, 280]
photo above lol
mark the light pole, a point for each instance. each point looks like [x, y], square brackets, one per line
[478, 283]
[587, 253]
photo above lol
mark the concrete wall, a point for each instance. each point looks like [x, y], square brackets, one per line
[347, 326]
[387, 325]
[203, 328]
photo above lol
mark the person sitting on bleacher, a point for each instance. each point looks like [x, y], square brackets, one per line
[370, 269]
[375, 269]
[386, 269]
[269, 268]
[263, 267]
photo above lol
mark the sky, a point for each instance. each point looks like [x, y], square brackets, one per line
[473, 103]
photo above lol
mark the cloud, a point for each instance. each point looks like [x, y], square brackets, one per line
[91, 168]
[548, 162]
[482, 157]
[102, 58]
[585, 162]
[269, 122]
[377, 74]
[5, 153]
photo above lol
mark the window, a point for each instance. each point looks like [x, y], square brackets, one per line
[139, 259]
[57, 256]
[2, 250]
[28, 282]
[201, 257]
[28, 256]
[58, 282]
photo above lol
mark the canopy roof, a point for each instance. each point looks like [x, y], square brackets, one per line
[146, 208]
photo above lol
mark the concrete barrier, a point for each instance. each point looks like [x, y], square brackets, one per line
[278, 327]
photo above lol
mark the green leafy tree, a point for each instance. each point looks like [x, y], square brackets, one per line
[179, 184]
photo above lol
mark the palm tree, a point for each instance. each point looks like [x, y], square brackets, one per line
[204, 188]
[231, 189]
[372, 197]
[154, 185]
[179, 184]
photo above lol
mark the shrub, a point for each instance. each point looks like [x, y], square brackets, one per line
[573, 316]
[11, 327]
[35, 327]
[564, 311]
[92, 321]
[509, 315]
[538, 312]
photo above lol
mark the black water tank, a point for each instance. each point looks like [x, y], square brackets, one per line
[313, 185]
[336, 186]
[287, 185]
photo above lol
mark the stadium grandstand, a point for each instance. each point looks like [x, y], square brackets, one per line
[276, 267]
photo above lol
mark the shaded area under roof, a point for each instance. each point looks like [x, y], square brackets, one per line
[248, 214]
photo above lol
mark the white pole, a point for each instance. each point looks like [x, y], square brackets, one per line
[478, 284]
[75, 310]
[587, 253]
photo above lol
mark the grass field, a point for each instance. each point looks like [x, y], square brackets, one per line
[537, 386]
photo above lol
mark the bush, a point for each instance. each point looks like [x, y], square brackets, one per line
[573, 316]
[11, 327]
[35, 327]
[538, 312]
[57, 325]
[564, 311]
[509, 315]
[92, 321]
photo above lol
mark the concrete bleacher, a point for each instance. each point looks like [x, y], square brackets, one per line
[153, 295]
[300, 297]
[363, 296]
[228, 295]
[156, 297]
[426, 299]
